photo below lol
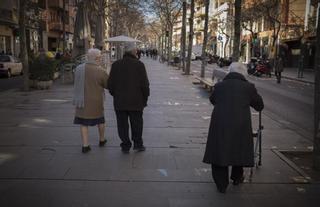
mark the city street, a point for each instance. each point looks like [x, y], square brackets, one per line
[41, 163]
[15, 82]
[289, 103]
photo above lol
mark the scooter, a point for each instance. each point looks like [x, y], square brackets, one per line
[263, 68]
[259, 67]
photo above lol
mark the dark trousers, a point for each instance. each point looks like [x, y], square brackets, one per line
[136, 123]
[220, 175]
[278, 75]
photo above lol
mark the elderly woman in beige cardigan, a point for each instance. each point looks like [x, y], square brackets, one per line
[90, 82]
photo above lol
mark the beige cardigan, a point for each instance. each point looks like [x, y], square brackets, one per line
[95, 82]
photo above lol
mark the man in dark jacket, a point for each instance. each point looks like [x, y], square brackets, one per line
[278, 68]
[129, 85]
[230, 141]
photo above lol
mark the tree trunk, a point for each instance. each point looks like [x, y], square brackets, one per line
[316, 143]
[190, 38]
[165, 52]
[23, 44]
[162, 45]
[63, 27]
[183, 36]
[82, 30]
[225, 46]
[237, 30]
[205, 39]
[100, 26]
[169, 46]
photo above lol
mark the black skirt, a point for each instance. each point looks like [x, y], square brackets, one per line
[88, 122]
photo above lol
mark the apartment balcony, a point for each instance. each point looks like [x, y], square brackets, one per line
[8, 17]
[57, 4]
[58, 26]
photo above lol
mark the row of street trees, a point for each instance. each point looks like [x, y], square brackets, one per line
[120, 17]
[123, 17]
[245, 15]
[169, 11]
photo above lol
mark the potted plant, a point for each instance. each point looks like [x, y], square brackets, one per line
[42, 72]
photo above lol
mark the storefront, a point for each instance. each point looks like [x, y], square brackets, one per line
[6, 40]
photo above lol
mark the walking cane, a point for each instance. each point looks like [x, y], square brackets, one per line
[257, 147]
[259, 138]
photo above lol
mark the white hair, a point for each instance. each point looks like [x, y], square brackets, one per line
[238, 67]
[92, 54]
[129, 46]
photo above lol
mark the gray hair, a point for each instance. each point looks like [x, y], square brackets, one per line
[129, 46]
[92, 54]
[238, 67]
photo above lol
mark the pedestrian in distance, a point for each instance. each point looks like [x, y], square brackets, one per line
[230, 139]
[129, 85]
[139, 54]
[278, 68]
[89, 84]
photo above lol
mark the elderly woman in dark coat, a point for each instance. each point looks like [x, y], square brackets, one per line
[230, 141]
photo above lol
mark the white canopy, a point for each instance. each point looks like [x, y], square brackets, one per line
[121, 38]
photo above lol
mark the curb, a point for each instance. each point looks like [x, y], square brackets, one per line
[298, 79]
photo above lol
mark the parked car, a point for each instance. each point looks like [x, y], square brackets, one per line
[10, 65]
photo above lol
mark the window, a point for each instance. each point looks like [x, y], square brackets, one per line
[4, 58]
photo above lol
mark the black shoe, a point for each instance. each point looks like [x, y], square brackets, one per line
[102, 143]
[222, 190]
[86, 149]
[238, 181]
[125, 150]
[139, 148]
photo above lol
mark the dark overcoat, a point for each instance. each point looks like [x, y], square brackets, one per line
[128, 84]
[230, 141]
[278, 65]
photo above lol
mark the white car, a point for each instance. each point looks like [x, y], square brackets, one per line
[10, 65]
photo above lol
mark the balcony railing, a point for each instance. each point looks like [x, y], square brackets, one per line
[58, 26]
[57, 4]
[6, 15]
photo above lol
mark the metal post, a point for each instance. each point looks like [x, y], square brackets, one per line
[260, 138]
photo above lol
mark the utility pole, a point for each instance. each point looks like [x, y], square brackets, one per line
[316, 143]
[187, 71]
[205, 39]
[183, 36]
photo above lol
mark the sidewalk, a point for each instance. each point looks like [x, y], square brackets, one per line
[41, 163]
[292, 74]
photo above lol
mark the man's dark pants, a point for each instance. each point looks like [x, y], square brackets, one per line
[136, 123]
[220, 175]
[278, 75]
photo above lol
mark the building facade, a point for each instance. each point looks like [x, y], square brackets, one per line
[297, 23]
[45, 25]
[9, 26]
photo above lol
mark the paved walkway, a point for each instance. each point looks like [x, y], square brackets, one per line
[41, 163]
[292, 74]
